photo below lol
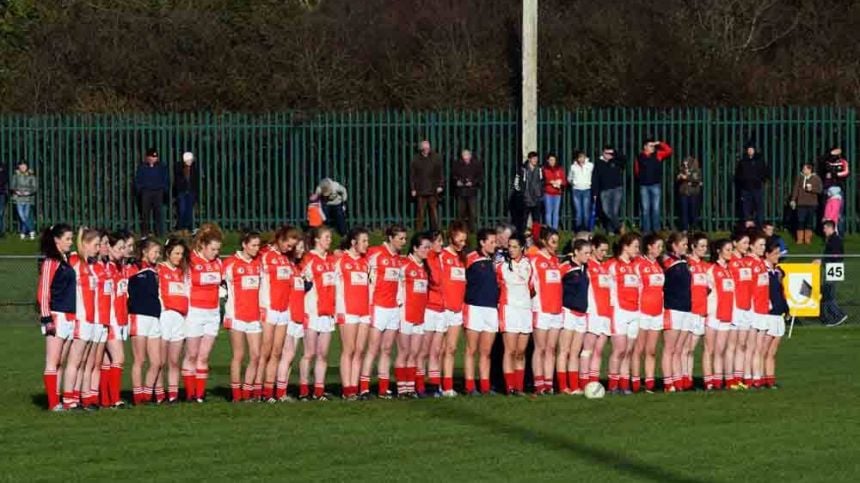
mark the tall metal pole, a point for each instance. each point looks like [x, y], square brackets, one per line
[529, 93]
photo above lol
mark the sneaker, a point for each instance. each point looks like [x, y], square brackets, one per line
[515, 393]
[474, 393]
[838, 322]
[386, 395]
[120, 404]
[365, 396]
[200, 400]
[23, 237]
[627, 392]
[304, 398]
[32, 235]
[669, 389]
[58, 408]
[324, 397]
[449, 393]
[286, 398]
[577, 392]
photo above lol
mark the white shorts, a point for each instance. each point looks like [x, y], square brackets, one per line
[625, 323]
[453, 319]
[143, 326]
[100, 333]
[599, 325]
[572, 321]
[83, 330]
[719, 326]
[321, 323]
[481, 319]
[760, 322]
[64, 325]
[276, 317]
[172, 326]
[349, 319]
[677, 320]
[776, 326]
[408, 328]
[386, 318]
[650, 322]
[295, 330]
[200, 322]
[545, 321]
[252, 327]
[741, 319]
[434, 321]
[697, 325]
[516, 320]
[118, 332]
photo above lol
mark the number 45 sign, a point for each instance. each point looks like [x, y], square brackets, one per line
[834, 272]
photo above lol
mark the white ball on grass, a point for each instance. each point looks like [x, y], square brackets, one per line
[594, 390]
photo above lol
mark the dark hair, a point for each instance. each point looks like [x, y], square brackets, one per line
[434, 234]
[417, 238]
[580, 244]
[771, 246]
[532, 154]
[144, 245]
[285, 232]
[808, 163]
[484, 234]
[115, 237]
[648, 141]
[768, 223]
[393, 230]
[626, 240]
[546, 232]
[608, 147]
[598, 240]
[519, 238]
[695, 237]
[458, 227]
[354, 233]
[651, 239]
[829, 224]
[313, 234]
[48, 246]
[177, 242]
[739, 235]
[756, 235]
[246, 236]
[551, 155]
[675, 237]
[717, 247]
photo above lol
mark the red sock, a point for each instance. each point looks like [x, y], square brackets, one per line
[319, 390]
[613, 382]
[561, 377]
[49, 378]
[485, 386]
[635, 384]
[520, 379]
[147, 394]
[190, 385]
[68, 399]
[593, 377]
[364, 384]
[104, 381]
[435, 378]
[280, 389]
[679, 385]
[573, 380]
[304, 390]
[159, 394]
[245, 393]
[624, 383]
[510, 385]
[115, 382]
[447, 383]
[258, 391]
[718, 383]
[419, 380]
[268, 391]
[173, 393]
[649, 383]
[470, 385]
[748, 381]
[200, 386]
[384, 383]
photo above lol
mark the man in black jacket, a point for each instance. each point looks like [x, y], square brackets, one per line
[468, 174]
[751, 172]
[151, 183]
[607, 182]
[426, 183]
[186, 185]
[831, 314]
[4, 195]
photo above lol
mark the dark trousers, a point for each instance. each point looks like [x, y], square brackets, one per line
[467, 210]
[2, 214]
[150, 206]
[752, 205]
[522, 220]
[429, 202]
[690, 208]
[335, 218]
[185, 208]
[830, 310]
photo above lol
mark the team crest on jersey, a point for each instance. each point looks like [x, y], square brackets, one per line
[543, 265]
[348, 266]
[198, 267]
[449, 262]
[413, 273]
[241, 271]
[384, 261]
[320, 268]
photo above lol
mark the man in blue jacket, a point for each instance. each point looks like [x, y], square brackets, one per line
[151, 183]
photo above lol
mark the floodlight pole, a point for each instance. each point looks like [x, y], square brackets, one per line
[529, 87]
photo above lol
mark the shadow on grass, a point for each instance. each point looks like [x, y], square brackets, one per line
[611, 460]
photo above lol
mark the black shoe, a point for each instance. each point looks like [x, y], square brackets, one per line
[838, 322]
[304, 398]
[365, 396]
[386, 395]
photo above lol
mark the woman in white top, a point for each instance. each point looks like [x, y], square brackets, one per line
[579, 178]
[515, 312]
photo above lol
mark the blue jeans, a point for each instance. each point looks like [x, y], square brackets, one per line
[185, 208]
[582, 206]
[650, 200]
[25, 217]
[551, 203]
[610, 202]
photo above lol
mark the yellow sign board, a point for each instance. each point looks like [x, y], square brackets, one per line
[802, 285]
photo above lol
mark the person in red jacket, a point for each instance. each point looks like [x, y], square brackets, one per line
[318, 273]
[173, 287]
[625, 293]
[353, 307]
[651, 278]
[554, 182]
[721, 307]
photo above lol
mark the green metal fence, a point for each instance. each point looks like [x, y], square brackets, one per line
[259, 169]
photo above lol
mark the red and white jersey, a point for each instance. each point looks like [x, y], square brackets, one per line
[297, 295]
[652, 278]
[415, 290]
[205, 280]
[353, 285]
[276, 280]
[761, 287]
[699, 285]
[515, 279]
[721, 300]
[124, 272]
[741, 268]
[626, 284]
[453, 281]
[319, 270]
[243, 288]
[87, 287]
[434, 296]
[384, 267]
[546, 280]
[173, 288]
[106, 274]
[599, 289]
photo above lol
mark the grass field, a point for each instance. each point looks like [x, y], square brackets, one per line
[805, 431]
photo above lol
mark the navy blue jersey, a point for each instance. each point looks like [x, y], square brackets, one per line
[143, 296]
[677, 288]
[778, 304]
[482, 288]
[574, 287]
[57, 291]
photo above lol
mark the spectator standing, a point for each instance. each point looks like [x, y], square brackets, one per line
[834, 170]
[186, 185]
[468, 174]
[690, 192]
[4, 194]
[580, 178]
[426, 182]
[333, 196]
[649, 171]
[804, 199]
[531, 179]
[553, 186]
[607, 182]
[831, 314]
[150, 184]
[24, 186]
[751, 173]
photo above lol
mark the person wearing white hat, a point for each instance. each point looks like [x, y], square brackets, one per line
[186, 187]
